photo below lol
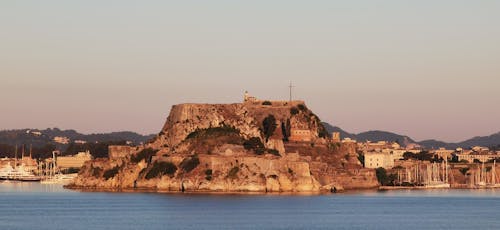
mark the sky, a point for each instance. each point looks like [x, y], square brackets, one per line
[426, 69]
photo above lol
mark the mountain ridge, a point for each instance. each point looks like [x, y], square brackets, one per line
[492, 140]
[41, 137]
[26, 137]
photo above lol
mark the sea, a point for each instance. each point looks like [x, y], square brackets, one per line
[35, 206]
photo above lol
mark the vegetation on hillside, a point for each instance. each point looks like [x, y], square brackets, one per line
[41, 152]
[269, 126]
[206, 141]
[233, 172]
[208, 174]
[302, 107]
[254, 144]
[145, 154]
[421, 156]
[39, 138]
[95, 171]
[190, 163]
[286, 130]
[213, 132]
[110, 173]
[161, 168]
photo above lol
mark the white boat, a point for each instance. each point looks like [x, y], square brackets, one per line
[59, 179]
[18, 173]
[437, 185]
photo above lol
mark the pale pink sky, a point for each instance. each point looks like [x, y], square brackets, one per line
[425, 69]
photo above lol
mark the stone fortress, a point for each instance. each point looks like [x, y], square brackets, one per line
[230, 148]
[298, 131]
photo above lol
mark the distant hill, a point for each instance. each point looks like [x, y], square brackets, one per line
[39, 138]
[492, 140]
[384, 136]
[343, 133]
[487, 141]
[371, 135]
[435, 144]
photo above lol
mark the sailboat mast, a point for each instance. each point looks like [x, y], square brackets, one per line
[494, 176]
[15, 158]
[482, 173]
[446, 169]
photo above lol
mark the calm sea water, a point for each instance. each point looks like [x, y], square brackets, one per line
[36, 206]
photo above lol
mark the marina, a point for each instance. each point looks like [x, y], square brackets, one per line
[28, 169]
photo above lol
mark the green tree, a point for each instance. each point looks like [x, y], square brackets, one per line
[269, 125]
[161, 168]
[302, 107]
[383, 178]
[286, 130]
[361, 158]
[110, 173]
[464, 171]
[190, 163]
[381, 175]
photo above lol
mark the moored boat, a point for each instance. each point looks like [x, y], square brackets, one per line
[18, 173]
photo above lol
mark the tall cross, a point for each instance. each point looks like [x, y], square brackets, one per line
[291, 86]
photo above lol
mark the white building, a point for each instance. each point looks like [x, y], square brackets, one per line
[378, 159]
[348, 140]
[61, 140]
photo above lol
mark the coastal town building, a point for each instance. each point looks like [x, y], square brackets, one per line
[379, 146]
[251, 100]
[443, 153]
[34, 133]
[471, 156]
[476, 153]
[348, 140]
[300, 135]
[378, 159]
[336, 137]
[397, 154]
[76, 161]
[61, 140]
[480, 149]
[383, 153]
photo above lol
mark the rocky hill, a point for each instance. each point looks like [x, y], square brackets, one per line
[255, 146]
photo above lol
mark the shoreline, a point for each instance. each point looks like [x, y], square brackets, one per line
[388, 188]
[312, 193]
[152, 190]
[323, 192]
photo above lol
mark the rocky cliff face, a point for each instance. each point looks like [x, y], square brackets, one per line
[234, 148]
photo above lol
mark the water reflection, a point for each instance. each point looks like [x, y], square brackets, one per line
[36, 206]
